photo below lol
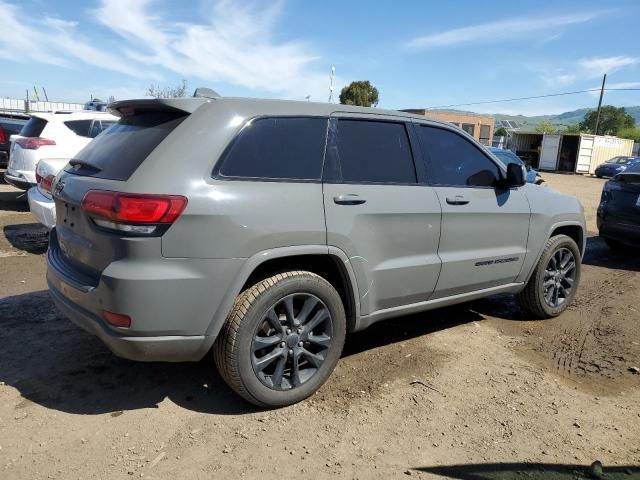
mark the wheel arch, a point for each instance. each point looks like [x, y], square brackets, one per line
[330, 263]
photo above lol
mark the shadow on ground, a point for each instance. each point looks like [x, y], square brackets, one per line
[28, 237]
[14, 201]
[534, 471]
[55, 364]
[598, 254]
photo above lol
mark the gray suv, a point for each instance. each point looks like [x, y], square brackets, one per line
[267, 230]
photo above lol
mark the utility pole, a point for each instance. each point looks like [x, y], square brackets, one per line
[604, 79]
[333, 71]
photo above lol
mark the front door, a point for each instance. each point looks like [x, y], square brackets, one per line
[378, 214]
[484, 228]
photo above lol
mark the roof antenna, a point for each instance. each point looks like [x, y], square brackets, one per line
[203, 92]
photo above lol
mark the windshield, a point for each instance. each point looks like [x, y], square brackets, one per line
[618, 160]
[507, 157]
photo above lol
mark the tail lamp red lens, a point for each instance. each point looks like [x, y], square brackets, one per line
[46, 182]
[133, 208]
[117, 319]
[3, 137]
[34, 143]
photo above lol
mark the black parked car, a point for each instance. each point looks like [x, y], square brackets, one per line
[9, 125]
[615, 165]
[619, 210]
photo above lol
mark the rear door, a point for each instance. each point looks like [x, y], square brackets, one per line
[377, 212]
[483, 241]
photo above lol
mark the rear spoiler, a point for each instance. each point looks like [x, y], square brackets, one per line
[182, 104]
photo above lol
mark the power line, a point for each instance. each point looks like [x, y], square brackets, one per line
[531, 97]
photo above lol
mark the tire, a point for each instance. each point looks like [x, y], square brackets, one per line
[249, 326]
[532, 298]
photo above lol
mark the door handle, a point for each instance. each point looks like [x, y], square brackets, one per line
[457, 200]
[350, 199]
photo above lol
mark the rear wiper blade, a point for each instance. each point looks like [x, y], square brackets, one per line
[82, 165]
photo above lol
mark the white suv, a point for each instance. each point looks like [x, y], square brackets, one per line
[51, 135]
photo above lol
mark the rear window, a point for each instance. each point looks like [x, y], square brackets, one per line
[34, 127]
[121, 149]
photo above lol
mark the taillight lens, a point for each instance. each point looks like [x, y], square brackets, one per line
[34, 143]
[129, 212]
[3, 137]
[46, 183]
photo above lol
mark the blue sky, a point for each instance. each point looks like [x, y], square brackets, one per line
[418, 53]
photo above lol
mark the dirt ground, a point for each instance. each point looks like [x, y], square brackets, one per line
[473, 392]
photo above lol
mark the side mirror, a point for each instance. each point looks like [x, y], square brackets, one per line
[516, 175]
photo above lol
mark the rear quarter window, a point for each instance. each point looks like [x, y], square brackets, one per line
[277, 148]
[34, 127]
[120, 150]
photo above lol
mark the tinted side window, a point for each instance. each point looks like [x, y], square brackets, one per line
[278, 148]
[79, 127]
[98, 126]
[371, 151]
[455, 160]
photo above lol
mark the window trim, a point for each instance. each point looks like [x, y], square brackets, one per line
[432, 169]
[217, 174]
[411, 141]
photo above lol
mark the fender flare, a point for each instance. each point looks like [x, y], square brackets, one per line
[551, 229]
[253, 262]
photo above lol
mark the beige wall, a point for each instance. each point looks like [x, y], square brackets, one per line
[459, 119]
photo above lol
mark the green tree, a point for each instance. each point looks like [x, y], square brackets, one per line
[631, 133]
[612, 120]
[167, 92]
[573, 128]
[360, 93]
[546, 126]
[500, 132]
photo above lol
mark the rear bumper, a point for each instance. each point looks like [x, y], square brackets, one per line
[171, 302]
[43, 208]
[173, 348]
[625, 233]
[18, 181]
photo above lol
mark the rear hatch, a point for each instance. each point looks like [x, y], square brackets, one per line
[96, 221]
[624, 197]
[26, 142]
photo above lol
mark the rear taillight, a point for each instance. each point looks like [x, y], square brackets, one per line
[46, 183]
[3, 137]
[130, 212]
[34, 143]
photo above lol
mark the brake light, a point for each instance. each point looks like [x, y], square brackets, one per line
[46, 183]
[34, 143]
[117, 319]
[130, 212]
[3, 137]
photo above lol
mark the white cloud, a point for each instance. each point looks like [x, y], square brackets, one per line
[557, 79]
[53, 41]
[232, 43]
[612, 87]
[499, 30]
[598, 66]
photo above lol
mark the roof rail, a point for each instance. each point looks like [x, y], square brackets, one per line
[204, 92]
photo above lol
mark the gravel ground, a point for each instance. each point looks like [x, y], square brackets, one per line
[472, 392]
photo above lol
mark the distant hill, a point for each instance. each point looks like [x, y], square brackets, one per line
[566, 118]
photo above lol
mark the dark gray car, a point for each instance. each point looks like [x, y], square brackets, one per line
[267, 230]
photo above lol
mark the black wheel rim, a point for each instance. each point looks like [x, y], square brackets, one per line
[292, 341]
[559, 277]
